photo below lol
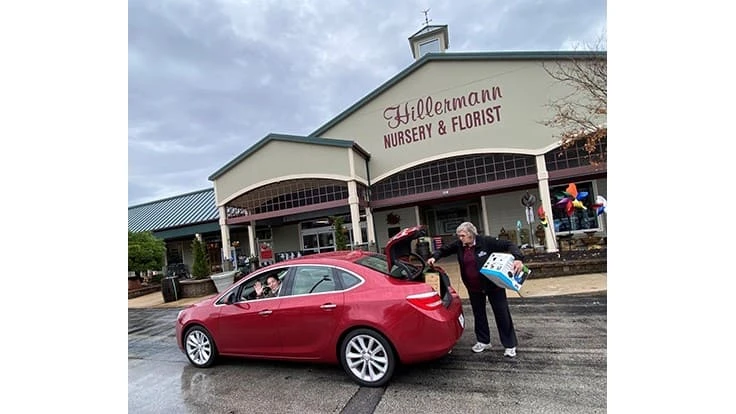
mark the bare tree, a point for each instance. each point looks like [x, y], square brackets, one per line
[581, 114]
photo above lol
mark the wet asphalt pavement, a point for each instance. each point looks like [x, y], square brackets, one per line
[561, 367]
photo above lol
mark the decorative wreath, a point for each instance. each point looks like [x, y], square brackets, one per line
[392, 218]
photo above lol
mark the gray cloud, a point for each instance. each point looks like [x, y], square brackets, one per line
[207, 79]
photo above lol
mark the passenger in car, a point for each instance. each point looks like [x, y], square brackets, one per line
[274, 284]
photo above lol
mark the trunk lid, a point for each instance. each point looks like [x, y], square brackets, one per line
[398, 253]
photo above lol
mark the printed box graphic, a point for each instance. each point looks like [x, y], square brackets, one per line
[499, 269]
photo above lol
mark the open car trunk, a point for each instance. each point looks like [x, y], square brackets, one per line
[412, 266]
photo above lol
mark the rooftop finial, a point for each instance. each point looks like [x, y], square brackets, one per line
[426, 19]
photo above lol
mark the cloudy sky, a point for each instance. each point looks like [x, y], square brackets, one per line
[209, 78]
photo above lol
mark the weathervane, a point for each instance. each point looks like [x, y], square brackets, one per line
[426, 19]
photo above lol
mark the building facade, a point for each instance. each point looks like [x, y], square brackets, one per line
[454, 137]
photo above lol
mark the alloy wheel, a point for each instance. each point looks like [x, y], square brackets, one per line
[199, 347]
[367, 358]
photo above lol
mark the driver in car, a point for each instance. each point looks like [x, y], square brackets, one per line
[273, 284]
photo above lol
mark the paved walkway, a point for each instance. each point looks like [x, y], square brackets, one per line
[549, 286]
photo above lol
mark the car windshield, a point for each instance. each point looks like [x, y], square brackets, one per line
[380, 263]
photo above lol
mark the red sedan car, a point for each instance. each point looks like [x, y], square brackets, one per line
[366, 311]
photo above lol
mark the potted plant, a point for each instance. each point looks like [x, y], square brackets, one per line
[200, 284]
[200, 268]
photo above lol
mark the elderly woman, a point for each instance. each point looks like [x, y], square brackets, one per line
[472, 251]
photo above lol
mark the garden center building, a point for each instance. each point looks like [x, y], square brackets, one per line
[453, 137]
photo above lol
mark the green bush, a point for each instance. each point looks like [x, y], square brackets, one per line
[341, 233]
[145, 252]
[200, 267]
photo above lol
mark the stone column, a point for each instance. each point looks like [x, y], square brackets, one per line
[252, 238]
[227, 263]
[550, 240]
[484, 216]
[370, 229]
[354, 212]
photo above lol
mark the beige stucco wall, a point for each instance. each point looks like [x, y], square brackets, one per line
[280, 160]
[505, 209]
[525, 89]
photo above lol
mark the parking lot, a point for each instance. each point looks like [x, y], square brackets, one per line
[561, 367]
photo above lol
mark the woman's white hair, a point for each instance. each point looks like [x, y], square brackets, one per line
[467, 227]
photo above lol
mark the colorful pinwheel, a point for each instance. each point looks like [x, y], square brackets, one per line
[600, 205]
[571, 199]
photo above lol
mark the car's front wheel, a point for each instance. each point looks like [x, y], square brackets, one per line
[199, 347]
[367, 357]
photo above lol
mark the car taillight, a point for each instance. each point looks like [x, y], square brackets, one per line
[428, 301]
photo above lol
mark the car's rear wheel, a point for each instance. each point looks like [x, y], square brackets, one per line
[367, 357]
[199, 347]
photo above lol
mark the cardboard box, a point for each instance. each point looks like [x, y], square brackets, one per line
[499, 269]
[433, 279]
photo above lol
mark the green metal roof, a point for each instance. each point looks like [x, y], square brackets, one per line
[183, 210]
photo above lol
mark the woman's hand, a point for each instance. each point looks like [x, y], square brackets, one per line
[258, 287]
[430, 261]
[518, 265]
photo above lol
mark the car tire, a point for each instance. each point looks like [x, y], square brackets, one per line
[367, 358]
[199, 347]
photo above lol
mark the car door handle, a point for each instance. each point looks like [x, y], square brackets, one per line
[265, 312]
[328, 306]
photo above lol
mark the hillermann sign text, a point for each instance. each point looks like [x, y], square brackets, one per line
[423, 118]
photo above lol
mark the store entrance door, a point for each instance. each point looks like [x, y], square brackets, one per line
[443, 219]
[318, 240]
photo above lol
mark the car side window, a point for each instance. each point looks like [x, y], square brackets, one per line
[313, 279]
[248, 290]
[348, 279]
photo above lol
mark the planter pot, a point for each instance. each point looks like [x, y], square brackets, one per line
[223, 280]
[194, 288]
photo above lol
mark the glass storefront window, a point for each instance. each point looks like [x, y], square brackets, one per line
[310, 242]
[326, 241]
[581, 219]
[319, 237]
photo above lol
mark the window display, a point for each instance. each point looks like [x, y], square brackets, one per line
[569, 215]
